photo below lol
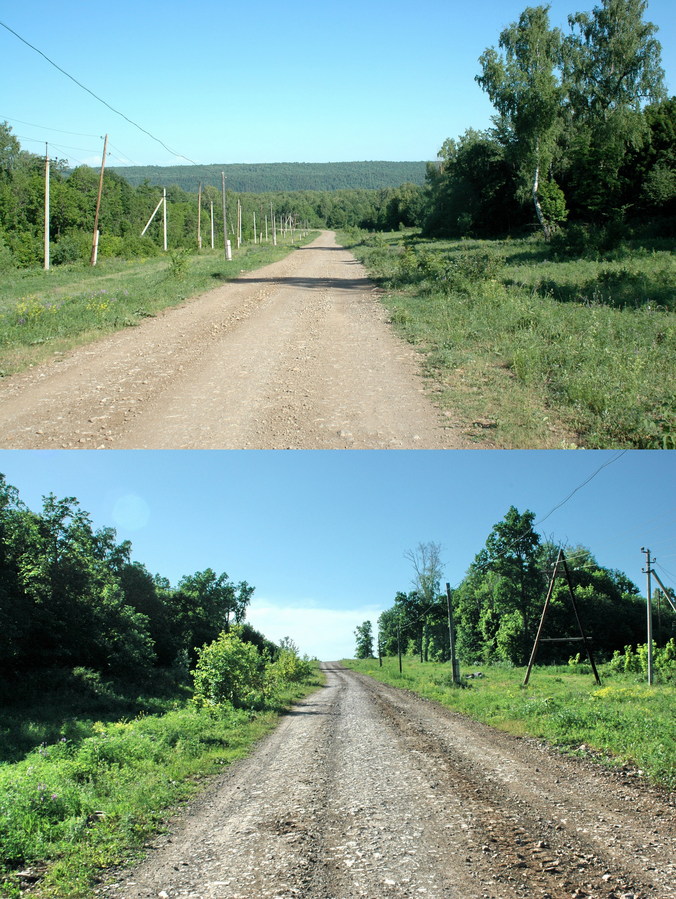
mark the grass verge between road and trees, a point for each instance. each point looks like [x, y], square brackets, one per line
[90, 799]
[47, 313]
[531, 345]
[624, 722]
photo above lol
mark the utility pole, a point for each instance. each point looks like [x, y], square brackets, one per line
[164, 217]
[95, 239]
[199, 217]
[455, 675]
[46, 207]
[399, 645]
[648, 572]
[212, 224]
[274, 227]
[226, 242]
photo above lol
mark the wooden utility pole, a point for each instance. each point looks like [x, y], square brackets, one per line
[46, 207]
[95, 239]
[164, 217]
[199, 217]
[455, 674]
[560, 562]
[649, 604]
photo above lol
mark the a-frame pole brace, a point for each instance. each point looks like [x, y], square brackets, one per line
[560, 561]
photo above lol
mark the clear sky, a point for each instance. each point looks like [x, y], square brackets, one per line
[322, 535]
[267, 81]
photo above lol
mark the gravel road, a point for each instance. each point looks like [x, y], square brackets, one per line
[368, 791]
[294, 355]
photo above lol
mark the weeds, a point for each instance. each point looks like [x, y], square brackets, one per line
[555, 353]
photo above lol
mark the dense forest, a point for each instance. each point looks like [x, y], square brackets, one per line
[583, 131]
[280, 176]
[498, 604]
[125, 211]
[72, 598]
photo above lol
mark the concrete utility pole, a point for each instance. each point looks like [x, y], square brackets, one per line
[226, 242]
[212, 224]
[95, 239]
[649, 603]
[46, 207]
[199, 217]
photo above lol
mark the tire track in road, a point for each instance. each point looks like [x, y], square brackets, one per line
[368, 791]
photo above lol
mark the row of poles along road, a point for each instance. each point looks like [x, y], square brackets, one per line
[287, 223]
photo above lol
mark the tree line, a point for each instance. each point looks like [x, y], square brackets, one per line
[583, 131]
[497, 606]
[274, 177]
[126, 209]
[71, 597]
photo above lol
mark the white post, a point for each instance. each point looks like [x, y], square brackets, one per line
[199, 217]
[46, 207]
[255, 233]
[212, 224]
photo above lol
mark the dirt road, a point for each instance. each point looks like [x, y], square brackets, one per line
[368, 791]
[294, 355]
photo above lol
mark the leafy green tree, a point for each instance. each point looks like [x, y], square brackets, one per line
[612, 67]
[205, 604]
[524, 87]
[472, 191]
[364, 635]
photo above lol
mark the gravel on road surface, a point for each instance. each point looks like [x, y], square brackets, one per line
[295, 355]
[365, 790]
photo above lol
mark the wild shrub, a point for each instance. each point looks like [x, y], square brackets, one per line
[634, 660]
[290, 668]
[229, 672]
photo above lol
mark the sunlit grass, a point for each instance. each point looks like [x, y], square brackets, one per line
[533, 352]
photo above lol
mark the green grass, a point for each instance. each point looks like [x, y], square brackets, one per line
[43, 314]
[623, 722]
[72, 808]
[531, 351]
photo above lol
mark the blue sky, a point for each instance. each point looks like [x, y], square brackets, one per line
[323, 535]
[224, 81]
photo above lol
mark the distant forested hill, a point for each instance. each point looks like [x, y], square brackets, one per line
[280, 176]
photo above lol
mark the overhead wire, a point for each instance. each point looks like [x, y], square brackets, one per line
[96, 96]
[555, 508]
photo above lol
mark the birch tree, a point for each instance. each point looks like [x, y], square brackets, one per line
[524, 86]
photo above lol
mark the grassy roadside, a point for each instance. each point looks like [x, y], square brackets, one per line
[89, 801]
[535, 351]
[43, 314]
[623, 722]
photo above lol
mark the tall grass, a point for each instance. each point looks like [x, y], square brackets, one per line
[72, 808]
[532, 351]
[47, 313]
[623, 722]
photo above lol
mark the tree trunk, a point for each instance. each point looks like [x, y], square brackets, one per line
[536, 202]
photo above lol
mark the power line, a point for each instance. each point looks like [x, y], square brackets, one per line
[47, 127]
[580, 486]
[96, 96]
